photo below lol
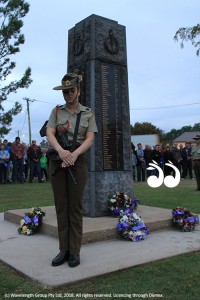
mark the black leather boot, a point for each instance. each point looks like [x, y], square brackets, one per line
[74, 260]
[60, 258]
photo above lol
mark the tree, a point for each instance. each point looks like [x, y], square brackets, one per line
[186, 34]
[11, 13]
[145, 128]
[196, 127]
[171, 135]
[174, 133]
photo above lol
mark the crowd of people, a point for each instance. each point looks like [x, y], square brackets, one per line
[181, 157]
[19, 163]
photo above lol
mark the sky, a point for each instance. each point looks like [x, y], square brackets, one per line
[163, 82]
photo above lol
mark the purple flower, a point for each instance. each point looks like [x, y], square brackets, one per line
[147, 231]
[124, 225]
[36, 220]
[128, 211]
[115, 211]
[27, 219]
[191, 219]
[119, 228]
[140, 226]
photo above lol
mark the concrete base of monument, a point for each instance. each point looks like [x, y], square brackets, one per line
[100, 228]
[32, 255]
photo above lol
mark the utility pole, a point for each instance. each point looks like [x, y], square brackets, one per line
[29, 120]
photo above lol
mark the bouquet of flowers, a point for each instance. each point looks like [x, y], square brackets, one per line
[184, 219]
[31, 222]
[131, 226]
[121, 201]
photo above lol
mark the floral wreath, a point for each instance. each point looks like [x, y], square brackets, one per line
[121, 201]
[131, 226]
[31, 222]
[184, 219]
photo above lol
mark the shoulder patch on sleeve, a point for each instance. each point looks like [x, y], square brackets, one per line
[61, 106]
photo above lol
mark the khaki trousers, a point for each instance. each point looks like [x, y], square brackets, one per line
[68, 202]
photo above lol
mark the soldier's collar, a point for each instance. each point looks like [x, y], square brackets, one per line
[81, 108]
[78, 110]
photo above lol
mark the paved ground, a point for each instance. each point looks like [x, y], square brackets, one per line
[26, 253]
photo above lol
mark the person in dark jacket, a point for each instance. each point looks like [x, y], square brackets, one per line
[156, 156]
[167, 156]
[148, 158]
[34, 154]
[176, 156]
[187, 160]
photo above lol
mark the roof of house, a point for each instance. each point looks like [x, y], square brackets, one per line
[187, 136]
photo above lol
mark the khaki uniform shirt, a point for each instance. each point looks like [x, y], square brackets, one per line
[196, 152]
[61, 118]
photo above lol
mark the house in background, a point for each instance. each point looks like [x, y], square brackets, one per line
[186, 137]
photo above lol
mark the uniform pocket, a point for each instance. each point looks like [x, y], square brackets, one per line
[84, 124]
[83, 128]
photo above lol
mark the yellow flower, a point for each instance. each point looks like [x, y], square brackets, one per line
[31, 211]
[24, 229]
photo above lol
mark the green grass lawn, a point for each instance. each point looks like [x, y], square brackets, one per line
[16, 196]
[183, 195]
[175, 278]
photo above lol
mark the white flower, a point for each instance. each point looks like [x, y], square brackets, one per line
[22, 222]
[28, 232]
[136, 217]
[124, 219]
[112, 200]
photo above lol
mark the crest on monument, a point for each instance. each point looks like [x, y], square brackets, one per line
[111, 43]
[77, 45]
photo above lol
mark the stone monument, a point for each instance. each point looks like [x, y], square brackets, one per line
[97, 48]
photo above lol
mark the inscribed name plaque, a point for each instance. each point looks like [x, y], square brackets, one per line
[112, 117]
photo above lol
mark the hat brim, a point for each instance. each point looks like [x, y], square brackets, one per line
[62, 87]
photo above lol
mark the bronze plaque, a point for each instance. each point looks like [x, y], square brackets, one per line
[112, 117]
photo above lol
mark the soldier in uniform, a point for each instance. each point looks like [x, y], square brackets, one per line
[67, 194]
[196, 160]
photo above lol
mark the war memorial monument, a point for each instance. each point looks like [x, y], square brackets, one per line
[97, 49]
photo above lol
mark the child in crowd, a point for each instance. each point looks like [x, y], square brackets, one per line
[43, 165]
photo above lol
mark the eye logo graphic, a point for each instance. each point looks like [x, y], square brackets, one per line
[170, 181]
